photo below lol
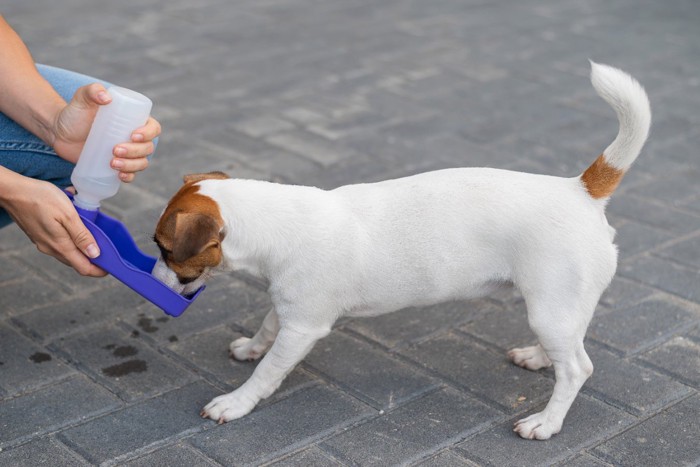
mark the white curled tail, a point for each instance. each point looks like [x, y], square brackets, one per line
[631, 104]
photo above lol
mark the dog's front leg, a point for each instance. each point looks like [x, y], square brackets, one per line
[245, 348]
[290, 347]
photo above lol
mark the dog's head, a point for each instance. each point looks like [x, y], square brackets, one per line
[189, 235]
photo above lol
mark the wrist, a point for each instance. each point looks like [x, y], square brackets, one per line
[10, 182]
[45, 119]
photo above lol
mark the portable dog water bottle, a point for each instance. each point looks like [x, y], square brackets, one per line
[95, 181]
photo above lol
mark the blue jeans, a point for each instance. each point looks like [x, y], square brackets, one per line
[24, 153]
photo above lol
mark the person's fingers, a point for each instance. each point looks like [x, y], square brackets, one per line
[129, 165]
[147, 132]
[92, 94]
[133, 150]
[84, 245]
[81, 264]
[126, 177]
[81, 236]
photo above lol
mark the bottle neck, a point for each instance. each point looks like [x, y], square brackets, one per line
[86, 202]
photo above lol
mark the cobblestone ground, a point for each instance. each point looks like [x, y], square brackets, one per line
[325, 93]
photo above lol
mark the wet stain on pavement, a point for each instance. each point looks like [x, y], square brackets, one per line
[125, 351]
[146, 324]
[40, 357]
[126, 368]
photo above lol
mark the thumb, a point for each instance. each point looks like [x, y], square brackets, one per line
[91, 94]
[82, 238]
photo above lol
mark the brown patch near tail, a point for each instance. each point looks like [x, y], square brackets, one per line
[601, 179]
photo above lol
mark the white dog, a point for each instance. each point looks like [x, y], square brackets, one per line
[368, 249]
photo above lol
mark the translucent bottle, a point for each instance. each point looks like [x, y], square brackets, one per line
[93, 177]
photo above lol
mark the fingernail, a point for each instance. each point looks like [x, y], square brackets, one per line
[92, 251]
[117, 164]
[120, 151]
[137, 137]
[103, 97]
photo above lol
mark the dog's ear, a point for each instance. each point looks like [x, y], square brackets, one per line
[205, 176]
[194, 233]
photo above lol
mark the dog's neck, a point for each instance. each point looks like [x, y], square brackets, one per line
[265, 223]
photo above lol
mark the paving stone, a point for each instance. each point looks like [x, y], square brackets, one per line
[587, 423]
[370, 374]
[673, 189]
[679, 357]
[252, 152]
[225, 300]
[169, 415]
[61, 404]
[583, 460]
[172, 455]
[622, 293]
[57, 274]
[654, 213]
[312, 457]
[41, 451]
[632, 330]
[633, 238]
[412, 324]
[506, 327]
[686, 252]
[26, 365]
[489, 376]
[12, 238]
[101, 307]
[671, 277]
[11, 270]
[261, 126]
[123, 363]
[30, 293]
[311, 146]
[670, 438]
[208, 352]
[409, 431]
[628, 386]
[267, 433]
[446, 458]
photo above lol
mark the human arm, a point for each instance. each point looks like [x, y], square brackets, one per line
[28, 99]
[49, 219]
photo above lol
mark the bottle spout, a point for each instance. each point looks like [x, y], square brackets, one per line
[86, 209]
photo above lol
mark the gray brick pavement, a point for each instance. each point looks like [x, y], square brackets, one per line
[333, 92]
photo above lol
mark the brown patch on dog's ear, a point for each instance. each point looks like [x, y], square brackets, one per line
[194, 233]
[205, 176]
[601, 179]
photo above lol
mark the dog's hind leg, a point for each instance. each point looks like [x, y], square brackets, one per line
[560, 331]
[245, 348]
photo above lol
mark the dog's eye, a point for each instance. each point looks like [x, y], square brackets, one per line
[163, 252]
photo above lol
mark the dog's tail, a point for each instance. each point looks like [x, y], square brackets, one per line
[631, 104]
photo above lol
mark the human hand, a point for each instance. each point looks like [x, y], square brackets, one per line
[73, 123]
[49, 219]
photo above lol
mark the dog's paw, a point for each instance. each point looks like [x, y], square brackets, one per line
[532, 358]
[243, 349]
[536, 426]
[225, 408]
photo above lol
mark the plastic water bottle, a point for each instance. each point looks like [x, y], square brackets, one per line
[93, 177]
